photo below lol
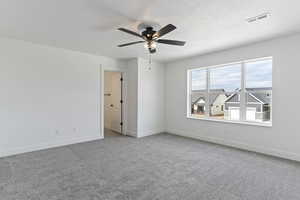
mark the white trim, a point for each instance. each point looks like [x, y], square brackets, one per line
[131, 133]
[262, 124]
[59, 142]
[231, 96]
[242, 95]
[236, 144]
[124, 93]
[151, 132]
[246, 104]
[101, 107]
[207, 98]
[231, 63]
[256, 103]
[188, 99]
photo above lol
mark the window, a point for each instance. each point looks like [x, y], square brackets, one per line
[232, 92]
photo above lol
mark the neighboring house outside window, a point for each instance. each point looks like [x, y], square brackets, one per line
[257, 106]
[198, 103]
[237, 92]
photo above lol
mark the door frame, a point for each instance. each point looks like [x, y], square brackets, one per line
[123, 94]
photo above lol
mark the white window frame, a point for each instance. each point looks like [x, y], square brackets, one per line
[243, 93]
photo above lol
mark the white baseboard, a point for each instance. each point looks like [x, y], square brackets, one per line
[131, 133]
[115, 130]
[143, 133]
[272, 152]
[149, 132]
[43, 146]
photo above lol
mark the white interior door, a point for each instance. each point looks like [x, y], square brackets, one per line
[112, 98]
[107, 100]
[116, 106]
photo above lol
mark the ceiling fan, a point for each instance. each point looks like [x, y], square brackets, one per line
[151, 37]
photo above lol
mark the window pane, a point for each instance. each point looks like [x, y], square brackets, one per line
[225, 79]
[258, 105]
[217, 102]
[198, 104]
[259, 74]
[259, 90]
[198, 80]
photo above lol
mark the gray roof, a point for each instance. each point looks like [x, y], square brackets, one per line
[197, 95]
[259, 89]
[212, 90]
[254, 95]
[263, 97]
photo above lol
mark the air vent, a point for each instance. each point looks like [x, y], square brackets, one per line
[258, 17]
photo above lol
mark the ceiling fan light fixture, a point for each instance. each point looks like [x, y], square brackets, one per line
[151, 37]
[150, 45]
[146, 46]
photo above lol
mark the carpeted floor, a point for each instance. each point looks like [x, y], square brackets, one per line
[156, 167]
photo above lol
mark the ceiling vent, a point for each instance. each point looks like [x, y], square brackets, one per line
[258, 17]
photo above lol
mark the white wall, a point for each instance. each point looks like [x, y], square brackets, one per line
[282, 139]
[131, 100]
[151, 98]
[49, 96]
[145, 111]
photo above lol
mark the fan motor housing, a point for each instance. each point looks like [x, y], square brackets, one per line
[148, 33]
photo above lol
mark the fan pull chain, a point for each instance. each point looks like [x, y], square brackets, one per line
[150, 61]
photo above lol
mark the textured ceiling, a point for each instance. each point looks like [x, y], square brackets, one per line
[90, 25]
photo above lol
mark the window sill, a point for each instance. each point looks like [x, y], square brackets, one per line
[267, 124]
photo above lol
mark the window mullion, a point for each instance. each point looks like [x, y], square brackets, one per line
[207, 93]
[189, 93]
[243, 94]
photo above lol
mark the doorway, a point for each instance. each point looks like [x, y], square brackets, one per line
[113, 103]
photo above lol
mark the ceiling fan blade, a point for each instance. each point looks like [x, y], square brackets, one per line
[131, 43]
[172, 42]
[130, 32]
[166, 29]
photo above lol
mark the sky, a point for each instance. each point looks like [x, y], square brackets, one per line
[258, 74]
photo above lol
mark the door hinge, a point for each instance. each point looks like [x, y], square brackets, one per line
[121, 123]
[121, 101]
[121, 79]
